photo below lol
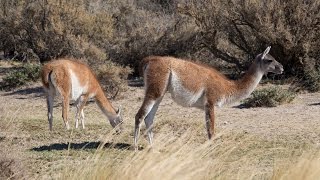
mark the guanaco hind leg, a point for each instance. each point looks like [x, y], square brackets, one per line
[145, 109]
[149, 120]
[156, 84]
[209, 111]
[50, 98]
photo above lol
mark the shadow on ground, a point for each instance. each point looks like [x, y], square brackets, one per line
[36, 91]
[314, 104]
[80, 146]
[241, 106]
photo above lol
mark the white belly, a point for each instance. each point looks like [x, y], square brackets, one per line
[76, 89]
[183, 96]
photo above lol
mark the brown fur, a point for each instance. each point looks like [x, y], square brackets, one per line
[59, 70]
[194, 78]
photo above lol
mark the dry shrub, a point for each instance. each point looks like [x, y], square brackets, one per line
[145, 28]
[311, 78]
[22, 75]
[50, 29]
[236, 31]
[112, 77]
[226, 33]
[269, 97]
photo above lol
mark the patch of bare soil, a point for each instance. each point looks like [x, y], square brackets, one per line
[24, 130]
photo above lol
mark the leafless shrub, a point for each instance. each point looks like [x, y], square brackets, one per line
[50, 29]
[236, 30]
[113, 77]
[142, 29]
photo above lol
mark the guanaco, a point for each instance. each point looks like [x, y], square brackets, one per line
[71, 77]
[195, 85]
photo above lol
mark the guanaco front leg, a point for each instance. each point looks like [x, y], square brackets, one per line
[80, 105]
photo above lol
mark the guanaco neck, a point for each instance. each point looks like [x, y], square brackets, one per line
[245, 85]
[104, 104]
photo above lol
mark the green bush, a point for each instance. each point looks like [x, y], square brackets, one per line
[269, 97]
[18, 77]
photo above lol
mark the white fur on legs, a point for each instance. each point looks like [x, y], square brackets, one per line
[67, 125]
[80, 114]
[149, 121]
[50, 98]
[50, 111]
[146, 108]
[77, 112]
[82, 118]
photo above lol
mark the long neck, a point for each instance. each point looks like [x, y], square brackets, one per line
[245, 86]
[242, 88]
[104, 104]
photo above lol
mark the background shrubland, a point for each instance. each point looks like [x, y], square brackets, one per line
[227, 34]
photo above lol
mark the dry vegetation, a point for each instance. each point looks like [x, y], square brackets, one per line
[260, 143]
[112, 37]
[222, 33]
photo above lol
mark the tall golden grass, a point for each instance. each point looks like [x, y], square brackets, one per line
[228, 156]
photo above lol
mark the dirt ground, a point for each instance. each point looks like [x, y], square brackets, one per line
[28, 149]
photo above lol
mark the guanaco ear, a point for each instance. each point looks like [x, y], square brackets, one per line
[265, 52]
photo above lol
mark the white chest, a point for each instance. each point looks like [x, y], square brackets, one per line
[184, 96]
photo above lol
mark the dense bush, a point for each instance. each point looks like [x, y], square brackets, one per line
[236, 30]
[226, 33]
[112, 77]
[50, 29]
[269, 97]
[18, 77]
[149, 27]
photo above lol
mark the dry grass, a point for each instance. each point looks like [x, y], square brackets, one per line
[236, 156]
[269, 97]
[260, 143]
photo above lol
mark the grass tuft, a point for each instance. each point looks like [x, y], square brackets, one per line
[269, 97]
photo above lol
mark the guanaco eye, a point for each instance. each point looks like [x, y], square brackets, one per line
[268, 60]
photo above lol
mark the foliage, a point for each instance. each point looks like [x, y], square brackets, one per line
[269, 97]
[236, 31]
[222, 33]
[144, 28]
[18, 77]
[113, 77]
[311, 78]
[50, 29]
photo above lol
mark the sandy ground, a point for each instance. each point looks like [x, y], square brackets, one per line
[301, 118]
[24, 127]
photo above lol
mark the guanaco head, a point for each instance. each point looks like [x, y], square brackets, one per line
[267, 63]
[117, 121]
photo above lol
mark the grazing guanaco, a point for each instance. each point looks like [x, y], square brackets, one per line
[195, 85]
[71, 77]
